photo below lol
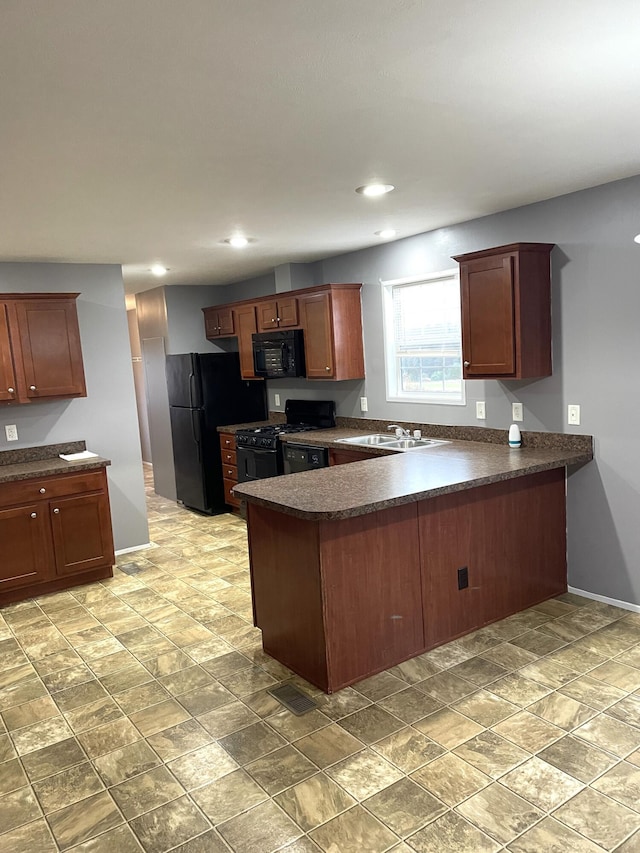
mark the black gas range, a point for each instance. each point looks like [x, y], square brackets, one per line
[259, 451]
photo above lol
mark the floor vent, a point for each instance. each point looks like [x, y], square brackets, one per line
[293, 699]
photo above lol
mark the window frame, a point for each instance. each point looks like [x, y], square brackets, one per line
[391, 385]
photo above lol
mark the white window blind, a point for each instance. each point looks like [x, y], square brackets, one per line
[423, 342]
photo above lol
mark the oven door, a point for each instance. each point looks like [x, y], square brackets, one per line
[255, 463]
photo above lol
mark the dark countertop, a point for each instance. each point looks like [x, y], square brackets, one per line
[27, 463]
[358, 488]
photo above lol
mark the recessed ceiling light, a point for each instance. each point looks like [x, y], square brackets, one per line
[159, 270]
[637, 238]
[238, 242]
[386, 233]
[373, 190]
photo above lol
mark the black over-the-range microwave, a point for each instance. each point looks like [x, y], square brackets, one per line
[279, 353]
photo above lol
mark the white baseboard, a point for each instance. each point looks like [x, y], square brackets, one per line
[134, 548]
[625, 605]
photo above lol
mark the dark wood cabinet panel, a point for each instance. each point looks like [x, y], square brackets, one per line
[25, 557]
[506, 311]
[229, 497]
[344, 457]
[229, 468]
[40, 350]
[81, 533]
[277, 313]
[54, 532]
[246, 326]
[218, 322]
[315, 311]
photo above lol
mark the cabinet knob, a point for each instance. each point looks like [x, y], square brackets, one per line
[277, 319]
[34, 515]
[11, 390]
[327, 368]
[467, 364]
[56, 511]
[32, 387]
[42, 490]
[273, 319]
[229, 473]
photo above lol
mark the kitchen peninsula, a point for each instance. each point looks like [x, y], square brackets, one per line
[358, 567]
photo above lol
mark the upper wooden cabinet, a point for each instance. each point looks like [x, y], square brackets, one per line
[40, 352]
[331, 318]
[506, 312]
[278, 313]
[218, 322]
[245, 325]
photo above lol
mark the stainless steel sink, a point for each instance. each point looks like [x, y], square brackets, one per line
[391, 442]
[365, 440]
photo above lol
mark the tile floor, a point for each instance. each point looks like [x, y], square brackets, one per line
[134, 717]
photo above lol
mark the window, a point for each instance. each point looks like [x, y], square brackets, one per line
[423, 341]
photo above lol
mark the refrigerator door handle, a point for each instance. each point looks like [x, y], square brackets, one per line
[195, 430]
[192, 376]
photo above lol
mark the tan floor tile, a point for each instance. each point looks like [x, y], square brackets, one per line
[343, 703]
[410, 704]
[541, 784]
[364, 774]
[538, 642]
[185, 679]
[408, 749]
[30, 713]
[202, 766]
[485, 708]
[40, 735]
[618, 675]
[84, 820]
[205, 699]
[164, 715]
[353, 832]
[294, 727]
[118, 840]
[229, 796]
[621, 783]
[18, 807]
[94, 714]
[528, 731]
[21, 692]
[378, 686]
[499, 812]
[178, 740]
[577, 758]
[6, 748]
[446, 687]
[491, 754]
[448, 728]
[551, 836]
[328, 745]
[451, 833]
[12, 776]
[106, 738]
[549, 673]
[145, 792]
[128, 761]
[613, 735]
[415, 670]
[562, 711]
[405, 807]
[168, 663]
[208, 842]
[509, 656]
[125, 679]
[112, 663]
[169, 825]
[264, 827]
[69, 786]
[247, 681]
[593, 692]
[280, 769]
[598, 818]
[627, 710]
[479, 671]
[82, 694]
[314, 801]
[29, 838]
[66, 678]
[249, 744]
[631, 845]
[451, 779]
[141, 697]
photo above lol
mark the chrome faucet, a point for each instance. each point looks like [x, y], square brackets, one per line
[404, 432]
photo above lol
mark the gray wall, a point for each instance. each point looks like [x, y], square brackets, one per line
[596, 310]
[106, 419]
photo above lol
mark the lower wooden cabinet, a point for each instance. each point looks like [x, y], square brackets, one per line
[54, 532]
[344, 457]
[229, 468]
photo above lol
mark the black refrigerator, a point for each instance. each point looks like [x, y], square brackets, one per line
[206, 391]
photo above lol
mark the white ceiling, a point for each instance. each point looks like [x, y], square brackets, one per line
[142, 131]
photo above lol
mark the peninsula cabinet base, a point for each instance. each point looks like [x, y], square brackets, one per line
[10, 596]
[338, 601]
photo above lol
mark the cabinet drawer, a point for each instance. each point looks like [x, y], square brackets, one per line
[230, 472]
[229, 457]
[227, 441]
[43, 488]
[230, 499]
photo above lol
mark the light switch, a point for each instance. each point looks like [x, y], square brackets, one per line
[573, 415]
[481, 412]
[364, 405]
[276, 398]
[517, 411]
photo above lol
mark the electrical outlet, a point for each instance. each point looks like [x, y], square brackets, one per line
[517, 411]
[364, 405]
[276, 398]
[573, 415]
[11, 431]
[481, 412]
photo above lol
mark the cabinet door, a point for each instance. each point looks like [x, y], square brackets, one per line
[245, 319]
[7, 374]
[344, 457]
[488, 323]
[51, 351]
[267, 315]
[225, 322]
[315, 315]
[81, 533]
[211, 323]
[288, 312]
[25, 546]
